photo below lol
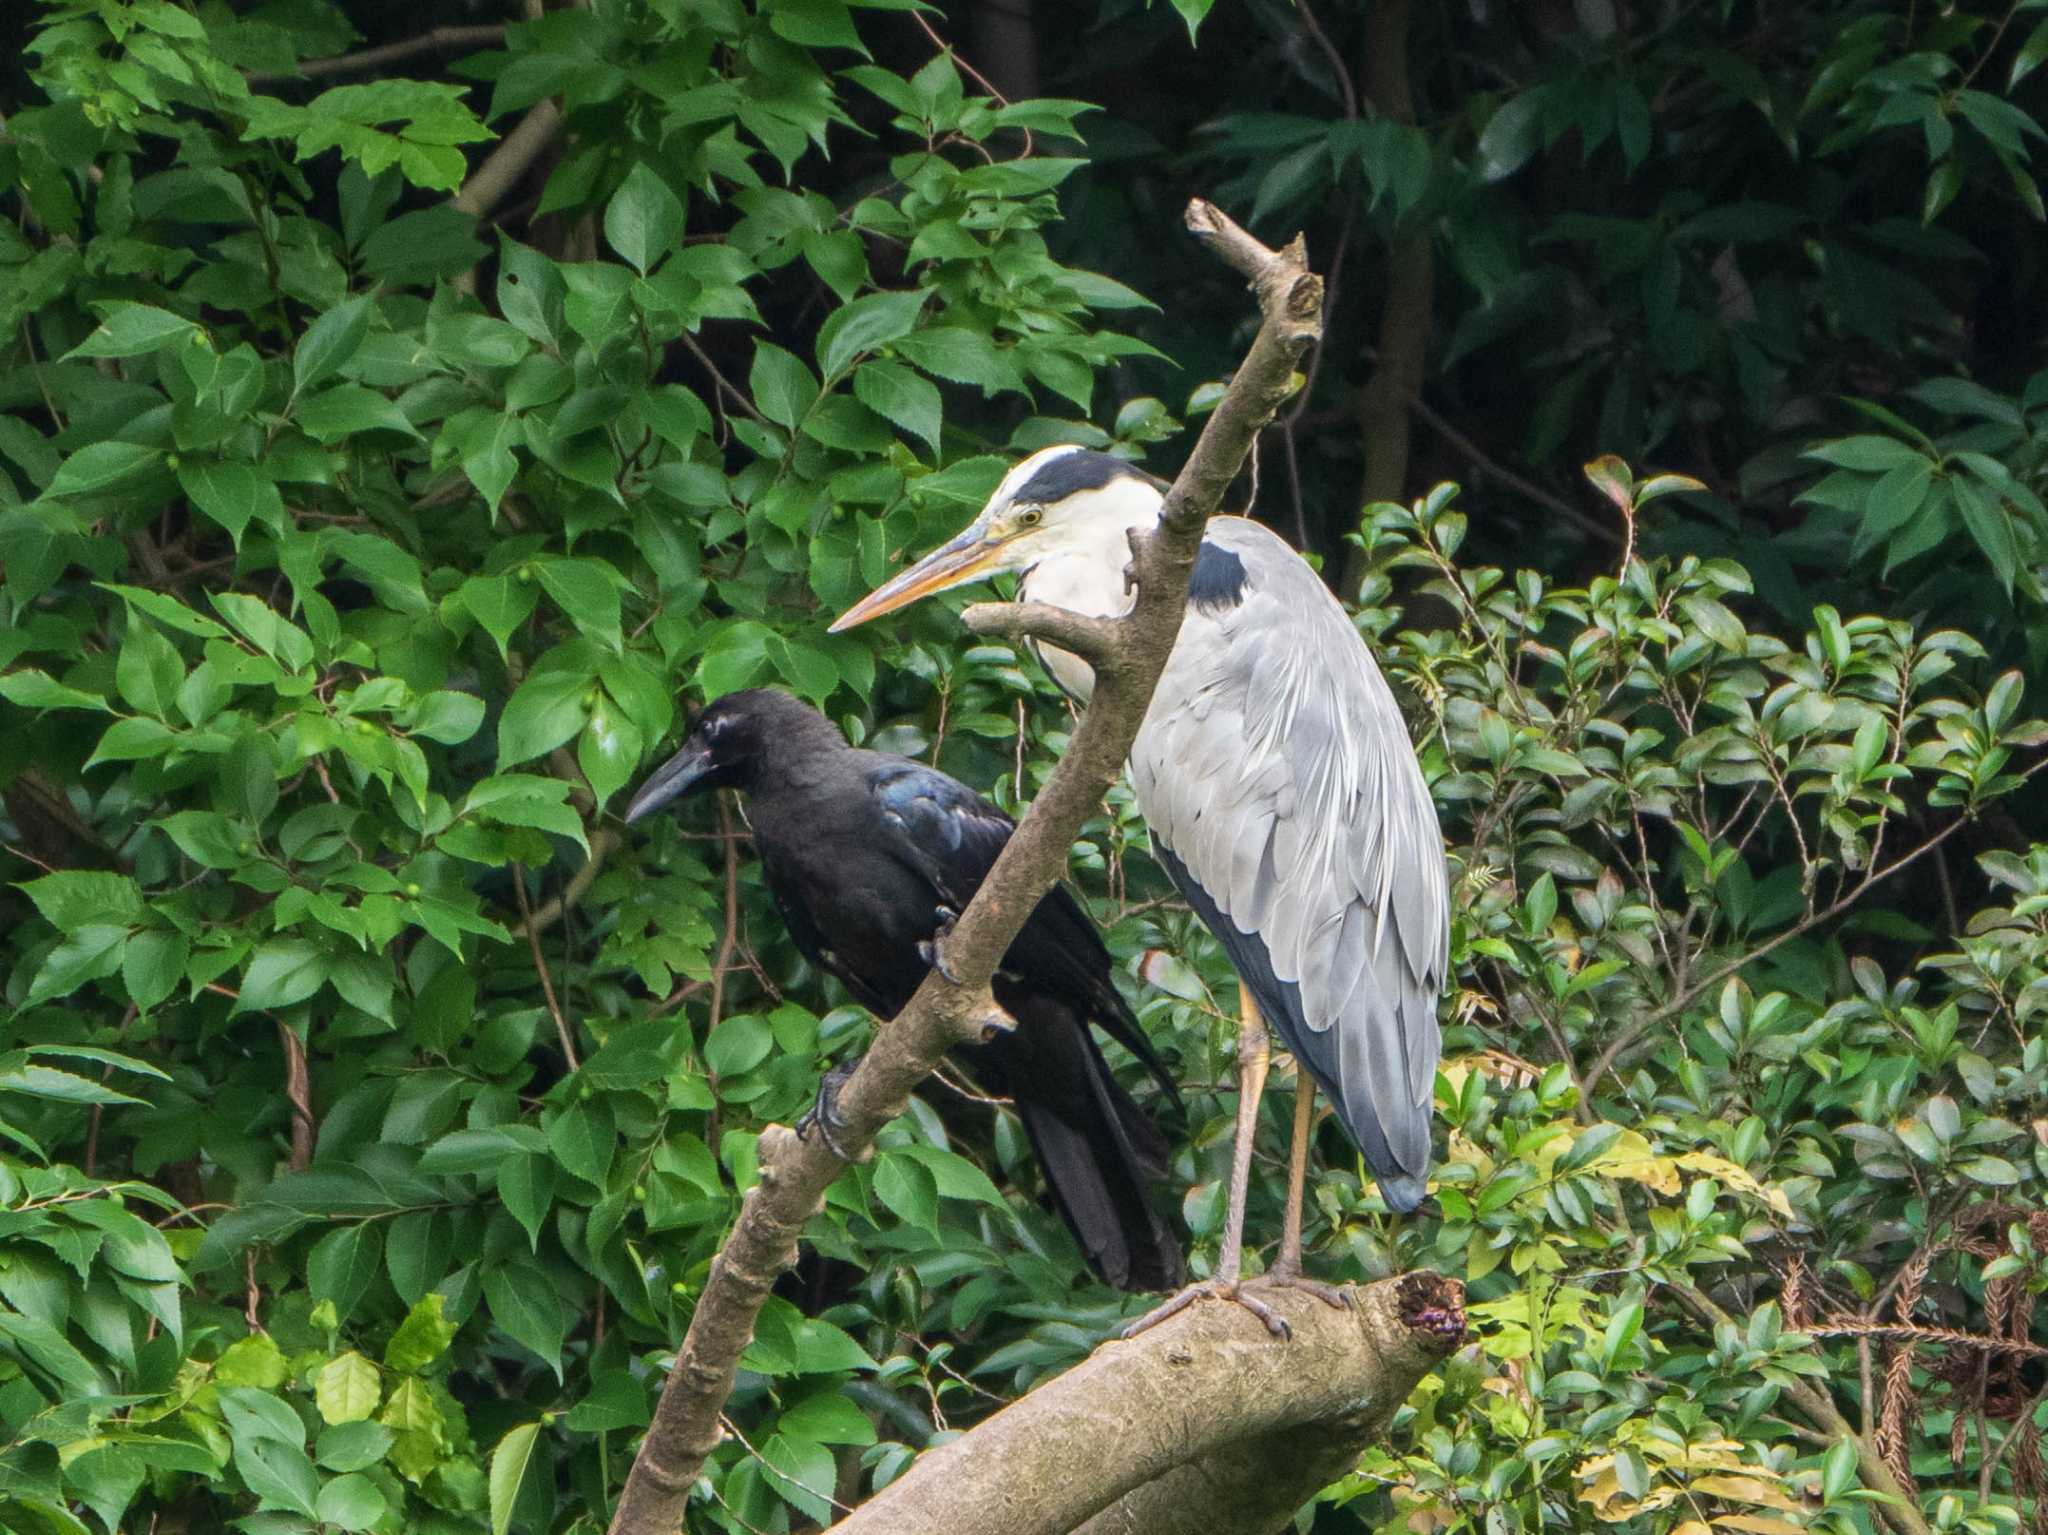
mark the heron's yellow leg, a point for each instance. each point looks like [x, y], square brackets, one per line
[1254, 1054]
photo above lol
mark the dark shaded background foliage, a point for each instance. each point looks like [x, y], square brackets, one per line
[374, 1106]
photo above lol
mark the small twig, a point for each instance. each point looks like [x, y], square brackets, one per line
[976, 75]
[1589, 525]
[1628, 1036]
[1347, 92]
[746, 1444]
[440, 40]
[549, 912]
[540, 964]
[252, 1295]
[725, 385]
[947, 1079]
[298, 1088]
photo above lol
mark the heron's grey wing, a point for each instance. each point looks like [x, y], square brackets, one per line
[1276, 771]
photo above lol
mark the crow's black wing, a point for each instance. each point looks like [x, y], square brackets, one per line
[952, 836]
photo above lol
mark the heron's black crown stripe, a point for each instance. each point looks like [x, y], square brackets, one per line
[1072, 473]
[1218, 578]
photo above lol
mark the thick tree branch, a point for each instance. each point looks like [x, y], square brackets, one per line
[1206, 1424]
[513, 158]
[1094, 640]
[440, 40]
[794, 1173]
[1901, 1511]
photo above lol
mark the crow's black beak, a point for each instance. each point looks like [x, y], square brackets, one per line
[671, 781]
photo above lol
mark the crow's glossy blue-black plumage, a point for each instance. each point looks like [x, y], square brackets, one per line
[868, 858]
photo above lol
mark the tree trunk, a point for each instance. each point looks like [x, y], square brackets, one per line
[1402, 346]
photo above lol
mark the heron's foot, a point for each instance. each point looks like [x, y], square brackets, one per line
[1212, 1289]
[933, 951]
[824, 1116]
[1288, 1276]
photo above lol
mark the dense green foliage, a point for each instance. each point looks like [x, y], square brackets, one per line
[373, 1107]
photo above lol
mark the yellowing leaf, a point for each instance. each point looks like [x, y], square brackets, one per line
[1758, 1524]
[1736, 1178]
[347, 1388]
[1744, 1489]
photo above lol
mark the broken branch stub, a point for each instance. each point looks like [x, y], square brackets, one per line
[1205, 1424]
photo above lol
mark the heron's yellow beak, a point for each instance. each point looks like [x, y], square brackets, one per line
[970, 557]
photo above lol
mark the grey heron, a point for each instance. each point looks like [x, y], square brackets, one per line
[1284, 801]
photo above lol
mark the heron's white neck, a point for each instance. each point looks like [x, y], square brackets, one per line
[1082, 569]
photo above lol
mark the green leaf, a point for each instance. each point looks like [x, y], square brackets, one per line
[547, 709]
[1870, 454]
[1991, 526]
[734, 658]
[447, 716]
[583, 1138]
[152, 964]
[908, 1189]
[346, 409]
[132, 330]
[1838, 1469]
[815, 23]
[524, 1304]
[1193, 13]
[588, 591]
[352, 1446]
[346, 1389]
[508, 1471]
[73, 898]
[1511, 136]
[351, 1502]
[853, 330]
[901, 396]
[500, 604]
[38, 690]
[610, 750]
[479, 1151]
[421, 1338]
[282, 972]
[209, 839]
[644, 219]
[526, 1185]
[344, 1264]
[329, 342]
[233, 495]
[782, 386]
[616, 1400]
[101, 464]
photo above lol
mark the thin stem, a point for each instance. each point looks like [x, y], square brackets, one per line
[540, 964]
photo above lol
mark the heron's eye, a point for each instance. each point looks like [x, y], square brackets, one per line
[1030, 517]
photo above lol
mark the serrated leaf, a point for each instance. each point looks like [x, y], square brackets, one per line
[644, 219]
[508, 1471]
[282, 972]
[902, 397]
[347, 1389]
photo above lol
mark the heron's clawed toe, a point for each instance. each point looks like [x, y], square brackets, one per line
[1212, 1289]
[1277, 1278]
[824, 1116]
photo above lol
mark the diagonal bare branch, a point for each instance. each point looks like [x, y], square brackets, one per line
[795, 1173]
